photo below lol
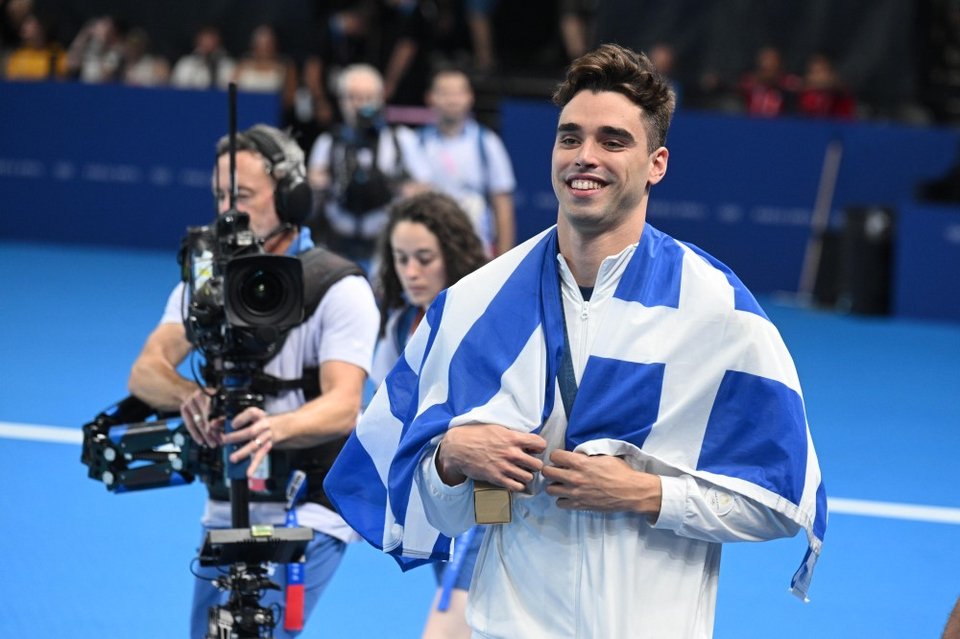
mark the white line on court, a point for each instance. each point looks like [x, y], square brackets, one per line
[37, 433]
[913, 512]
[836, 505]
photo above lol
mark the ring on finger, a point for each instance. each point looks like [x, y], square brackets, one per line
[197, 417]
[257, 442]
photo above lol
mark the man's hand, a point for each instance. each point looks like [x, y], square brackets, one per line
[602, 483]
[490, 453]
[252, 433]
[195, 411]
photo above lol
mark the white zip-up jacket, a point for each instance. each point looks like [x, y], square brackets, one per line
[553, 573]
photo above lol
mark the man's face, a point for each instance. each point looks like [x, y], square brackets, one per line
[254, 191]
[601, 166]
[207, 42]
[360, 90]
[451, 97]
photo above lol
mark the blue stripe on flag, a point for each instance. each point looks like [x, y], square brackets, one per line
[653, 275]
[820, 520]
[551, 313]
[616, 400]
[401, 388]
[352, 484]
[757, 432]
[402, 381]
[488, 349]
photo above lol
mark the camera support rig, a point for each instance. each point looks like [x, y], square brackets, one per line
[242, 303]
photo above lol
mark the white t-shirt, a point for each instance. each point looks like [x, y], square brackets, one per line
[343, 328]
[192, 71]
[470, 167]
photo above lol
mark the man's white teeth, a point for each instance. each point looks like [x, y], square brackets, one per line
[585, 185]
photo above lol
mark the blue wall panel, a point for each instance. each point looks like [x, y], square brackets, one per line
[927, 262]
[105, 164]
[744, 189]
[131, 167]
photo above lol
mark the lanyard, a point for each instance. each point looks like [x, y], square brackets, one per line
[565, 377]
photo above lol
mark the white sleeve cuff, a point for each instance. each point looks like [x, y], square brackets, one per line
[435, 485]
[673, 503]
[449, 509]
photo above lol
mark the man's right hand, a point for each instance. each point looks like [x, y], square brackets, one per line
[195, 411]
[491, 453]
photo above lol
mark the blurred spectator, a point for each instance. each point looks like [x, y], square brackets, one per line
[412, 31]
[96, 52]
[207, 66]
[361, 166]
[823, 94]
[37, 57]
[576, 26]
[768, 90]
[12, 15]
[480, 22]
[344, 35]
[662, 56]
[263, 69]
[469, 161]
[140, 67]
[712, 91]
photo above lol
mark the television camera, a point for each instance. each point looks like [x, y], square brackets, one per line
[239, 305]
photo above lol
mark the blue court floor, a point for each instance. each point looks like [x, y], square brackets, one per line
[883, 398]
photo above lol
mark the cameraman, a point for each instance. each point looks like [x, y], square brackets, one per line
[332, 347]
[363, 165]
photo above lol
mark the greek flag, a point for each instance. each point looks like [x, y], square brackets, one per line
[686, 370]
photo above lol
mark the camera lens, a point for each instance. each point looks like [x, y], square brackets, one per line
[262, 292]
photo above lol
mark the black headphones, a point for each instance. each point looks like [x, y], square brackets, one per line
[292, 196]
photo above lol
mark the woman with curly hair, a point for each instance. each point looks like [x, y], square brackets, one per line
[428, 244]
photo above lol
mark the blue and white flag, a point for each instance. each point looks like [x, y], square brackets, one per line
[686, 370]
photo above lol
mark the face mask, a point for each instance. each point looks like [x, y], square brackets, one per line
[368, 117]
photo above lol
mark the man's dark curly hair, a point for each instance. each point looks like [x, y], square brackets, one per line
[462, 250]
[611, 67]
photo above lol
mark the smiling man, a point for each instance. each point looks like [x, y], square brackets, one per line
[625, 387]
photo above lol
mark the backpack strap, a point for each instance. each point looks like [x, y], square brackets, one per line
[309, 383]
[401, 173]
[321, 270]
[431, 130]
[484, 158]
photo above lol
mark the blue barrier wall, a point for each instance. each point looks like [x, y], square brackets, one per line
[131, 167]
[744, 189]
[927, 262]
[105, 164]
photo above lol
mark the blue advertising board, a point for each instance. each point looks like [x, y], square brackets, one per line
[744, 189]
[926, 274]
[108, 164]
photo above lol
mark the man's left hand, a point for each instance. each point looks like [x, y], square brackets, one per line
[600, 482]
[252, 433]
